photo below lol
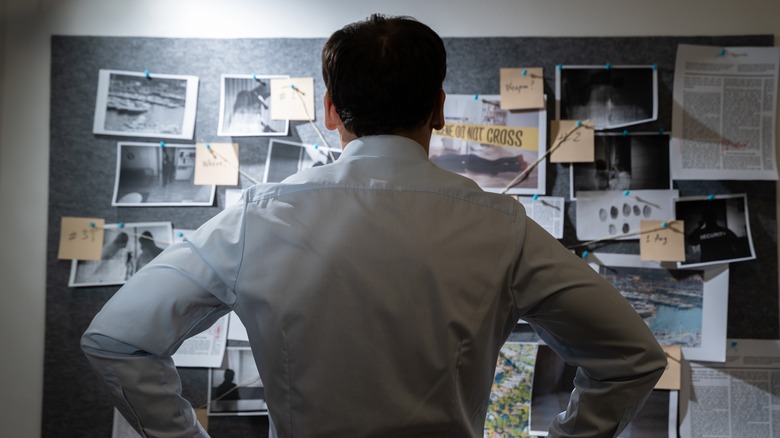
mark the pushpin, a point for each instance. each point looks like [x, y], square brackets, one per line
[162, 144]
[525, 72]
[254, 77]
[608, 66]
[722, 52]
[476, 97]
[579, 123]
[147, 74]
[733, 343]
[625, 132]
[121, 225]
[208, 146]
[665, 224]
[91, 224]
[626, 192]
[536, 196]
[316, 146]
[655, 67]
[180, 234]
[710, 197]
[661, 131]
[559, 66]
[292, 86]
[585, 254]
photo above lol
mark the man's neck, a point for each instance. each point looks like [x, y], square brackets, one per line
[422, 136]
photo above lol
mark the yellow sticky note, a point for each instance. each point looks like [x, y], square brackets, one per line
[81, 238]
[522, 88]
[577, 141]
[671, 376]
[216, 163]
[292, 99]
[662, 243]
[203, 418]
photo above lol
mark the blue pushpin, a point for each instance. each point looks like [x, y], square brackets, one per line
[536, 196]
[91, 224]
[625, 132]
[655, 67]
[525, 72]
[722, 52]
[733, 343]
[665, 224]
[292, 86]
[710, 197]
[121, 225]
[559, 66]
[162, 144]
[208, 146]
[316, 146]
[476, 97]
[585, 254]
[608, 66]
[254, 77]
[147, 74]
[661, 131]
[579, 123]
[180, 234]
[626, 192]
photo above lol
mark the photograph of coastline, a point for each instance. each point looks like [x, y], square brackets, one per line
[685, 307]
[491, 166]
[610, 96]
[136, 105]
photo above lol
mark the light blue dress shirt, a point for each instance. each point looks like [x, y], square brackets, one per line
[376, 292]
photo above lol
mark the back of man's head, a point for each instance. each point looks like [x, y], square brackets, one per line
[384, 74]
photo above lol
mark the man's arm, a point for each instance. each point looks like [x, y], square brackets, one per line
[590, 325]
[130, 342]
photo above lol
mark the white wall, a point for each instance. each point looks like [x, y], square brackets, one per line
[25, 70]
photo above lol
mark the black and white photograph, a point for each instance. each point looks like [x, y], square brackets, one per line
[492, 167]
[637, 161]
[155, 175]
[553, 383]
[286, 158]
[610, 96]
[716, 230]
[135, 104]
[236, 388]
[126, 249]
[245, 107]
[612, 214]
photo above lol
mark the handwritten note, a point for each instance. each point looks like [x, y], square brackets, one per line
[670, 379]
[292, 99]
[216, 163]
[665, 244]
[522, 88]
[577, 142]
[81, 238]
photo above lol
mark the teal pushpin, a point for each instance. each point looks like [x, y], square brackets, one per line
[559, 66]
[585, 254]
[208, 146]
[661, 131]
[734, 343]
[316, 146]
[121, 225]
[710, 197]
[254, 77]
[162, 144]
[665, 224]
[722, 52]
[608, 66]
[536, 196]
[579, 123]
[625, 132]
[525, 72]
[91, 224]
[147, 74]
[655, 67]
[180, 234]
[476, 97]
[626, 192]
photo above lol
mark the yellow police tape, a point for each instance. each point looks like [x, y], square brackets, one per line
[522, 137]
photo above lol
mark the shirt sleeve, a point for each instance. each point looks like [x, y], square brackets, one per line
[178, 295]
[584, 319]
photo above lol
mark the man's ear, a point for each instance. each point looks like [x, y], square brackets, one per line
[332, 119]
[437, 117]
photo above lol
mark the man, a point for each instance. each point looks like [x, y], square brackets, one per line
[376, 290]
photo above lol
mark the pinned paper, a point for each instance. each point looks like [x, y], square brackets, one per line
[216, 164]
[577, 141]
[522, 88]
[292, 99]
[81, 238]
[671, 377]
[662, 241]
[509, 136]
[203, 418]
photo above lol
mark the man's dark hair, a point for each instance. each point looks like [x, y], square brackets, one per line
[384, 74]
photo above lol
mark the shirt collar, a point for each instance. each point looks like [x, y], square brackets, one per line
[391, 146]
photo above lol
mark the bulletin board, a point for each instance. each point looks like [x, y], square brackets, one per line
[83, 166]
